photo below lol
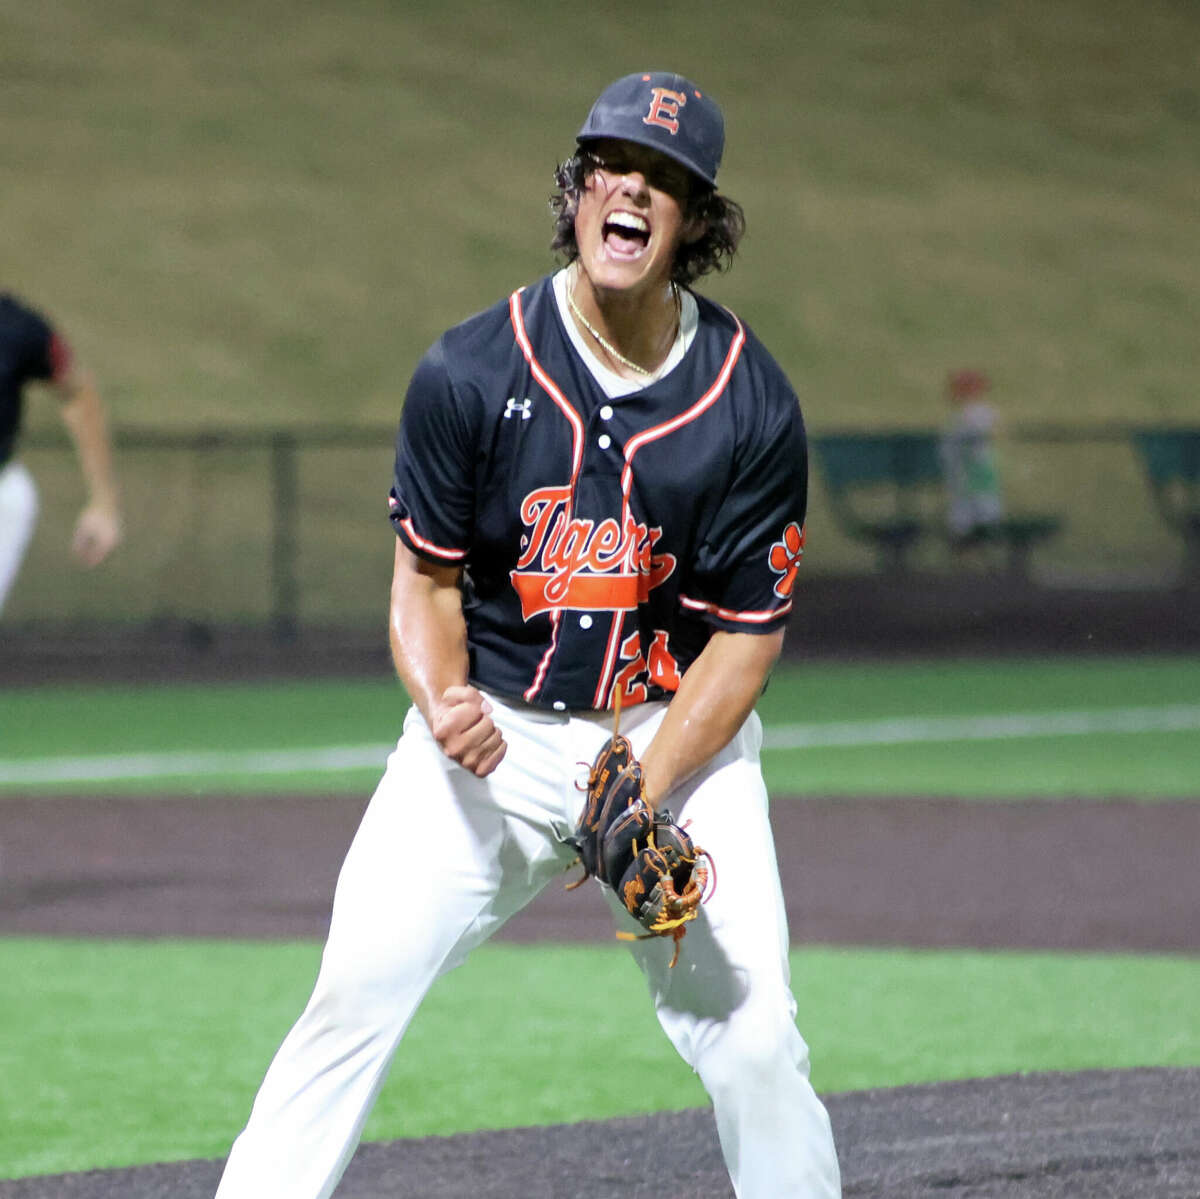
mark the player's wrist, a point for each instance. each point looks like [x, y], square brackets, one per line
[654, 785]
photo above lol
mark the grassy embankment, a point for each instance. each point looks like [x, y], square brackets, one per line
[261, 215]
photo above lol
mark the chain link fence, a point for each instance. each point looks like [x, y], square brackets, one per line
[287, 529]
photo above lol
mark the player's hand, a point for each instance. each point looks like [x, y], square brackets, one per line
[97, 533]
[462, 725]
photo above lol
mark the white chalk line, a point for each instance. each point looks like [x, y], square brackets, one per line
[816, 735]
[1009, 726]
[193, 764]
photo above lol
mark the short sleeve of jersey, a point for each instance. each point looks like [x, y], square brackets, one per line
[745, 570]
[432, 501]
[39, 352]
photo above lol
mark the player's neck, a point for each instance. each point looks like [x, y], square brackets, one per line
[631, 333]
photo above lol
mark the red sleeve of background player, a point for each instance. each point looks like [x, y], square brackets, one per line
[60, 357]
[41, 351]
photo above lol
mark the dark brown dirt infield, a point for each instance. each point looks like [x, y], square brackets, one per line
[1106, 875]
[1099, 1135]
[1112, 875]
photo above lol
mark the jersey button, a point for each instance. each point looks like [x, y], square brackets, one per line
[604, 441]
[585, 622]
[559, 706]
[606, 412]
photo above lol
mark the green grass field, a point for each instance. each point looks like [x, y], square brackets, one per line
[134, 1052]
[143, 1051]
[980, 728]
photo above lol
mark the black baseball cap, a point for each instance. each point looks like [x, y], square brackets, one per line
[665, 112]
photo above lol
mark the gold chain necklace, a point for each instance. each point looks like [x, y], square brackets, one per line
[583, 320]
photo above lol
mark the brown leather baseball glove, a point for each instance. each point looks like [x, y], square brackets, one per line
[642, 854]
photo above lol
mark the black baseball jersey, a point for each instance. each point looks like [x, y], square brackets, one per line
[29, 349]
[602, 540]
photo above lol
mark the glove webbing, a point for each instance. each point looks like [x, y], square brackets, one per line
[673, 927]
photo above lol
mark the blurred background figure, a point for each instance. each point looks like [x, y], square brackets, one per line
[33, 351]
[975, 504]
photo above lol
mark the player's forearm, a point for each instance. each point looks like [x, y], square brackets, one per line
[84, 416]
[426, 630]
[714, 698]
[428, 636]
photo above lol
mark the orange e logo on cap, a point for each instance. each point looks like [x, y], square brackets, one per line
[664, 109]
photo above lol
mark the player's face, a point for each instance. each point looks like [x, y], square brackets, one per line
[630, 221]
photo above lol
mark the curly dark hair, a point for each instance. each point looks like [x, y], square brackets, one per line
[724, 219]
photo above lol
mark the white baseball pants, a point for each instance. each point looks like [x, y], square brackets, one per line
[400, 920]
[18, 518]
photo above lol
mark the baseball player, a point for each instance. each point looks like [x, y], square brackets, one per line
[975, 504]
[32, 351]
[599, 497]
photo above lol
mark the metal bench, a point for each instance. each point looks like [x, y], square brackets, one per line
[887, 489]
[875, 483]
[1171, 458]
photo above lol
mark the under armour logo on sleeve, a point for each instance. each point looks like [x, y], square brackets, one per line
[524, 407]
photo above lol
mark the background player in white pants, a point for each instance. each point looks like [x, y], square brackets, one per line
[600, 487]
[33, 351]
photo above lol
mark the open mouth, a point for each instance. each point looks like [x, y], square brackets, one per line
[625, 233]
